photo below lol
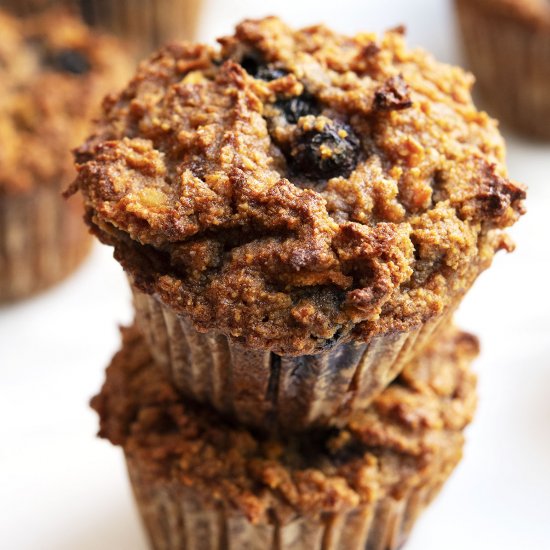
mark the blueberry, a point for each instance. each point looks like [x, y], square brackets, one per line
[332, 152]
[250, 63]
[268, 73]
[257, 68]
[70, 61]
[298, 106]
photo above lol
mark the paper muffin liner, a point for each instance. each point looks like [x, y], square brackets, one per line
[265, 390]
[27, 7]
[24, 8]
[144, 24]
[511, 62]
[42, 240]
[176, 518]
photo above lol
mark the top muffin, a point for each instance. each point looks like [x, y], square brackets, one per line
[295, 189]
[54, 73]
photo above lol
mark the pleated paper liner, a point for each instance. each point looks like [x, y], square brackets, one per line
[144, 24]
[265, 390]
[176, 519]
[202, 482]
[27, 7]
[511, 62]
[42, 240]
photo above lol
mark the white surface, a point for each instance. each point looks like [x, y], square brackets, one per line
[62, 489]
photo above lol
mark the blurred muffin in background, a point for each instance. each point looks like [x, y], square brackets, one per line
[144, 24]
[203, 482]
[507, 43]
[54, 73]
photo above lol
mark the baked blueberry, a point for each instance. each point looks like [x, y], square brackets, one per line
[257, 68]
[327, 153]
[296, 107]
[70, 61]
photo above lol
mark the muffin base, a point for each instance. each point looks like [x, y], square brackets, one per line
[176, 519]
[42, 241]
[262, 389]
[511, 61]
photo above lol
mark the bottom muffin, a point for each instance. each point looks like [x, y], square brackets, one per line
[202, 482]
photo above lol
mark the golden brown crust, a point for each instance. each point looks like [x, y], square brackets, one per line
[54, 73]
[211, 186]
[399, 442]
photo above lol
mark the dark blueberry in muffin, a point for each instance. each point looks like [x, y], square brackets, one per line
[70, 61]
[268, 73]
[257, 68]
[325, 154]
[250, 64]
[298, 106]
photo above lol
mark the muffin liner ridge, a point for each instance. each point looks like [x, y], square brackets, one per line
[42, 240]
[201, 482]
[511, 62]
[263, 389]
[145, 24]
[175, 518]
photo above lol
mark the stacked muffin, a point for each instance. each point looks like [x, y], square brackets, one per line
[53, 74]
[299, 214]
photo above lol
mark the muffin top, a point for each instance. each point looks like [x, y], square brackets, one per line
[296, 189]
[409, 435]
[535, 13]
[54, 73]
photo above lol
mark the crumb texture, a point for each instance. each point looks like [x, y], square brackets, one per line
[299, 187]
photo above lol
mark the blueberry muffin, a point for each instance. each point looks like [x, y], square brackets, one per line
[53, 75]
[298, 212]
[507, 43]
[201, 482]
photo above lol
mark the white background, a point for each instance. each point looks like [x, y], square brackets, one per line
[62, 489]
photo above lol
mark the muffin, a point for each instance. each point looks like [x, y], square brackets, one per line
[507, 43]
[144, 24]
[298, 213]
[201, 482]
[53, 75]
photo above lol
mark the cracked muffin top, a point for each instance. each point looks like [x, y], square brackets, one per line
[411, 435]
[54, 73]
[296, 189]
